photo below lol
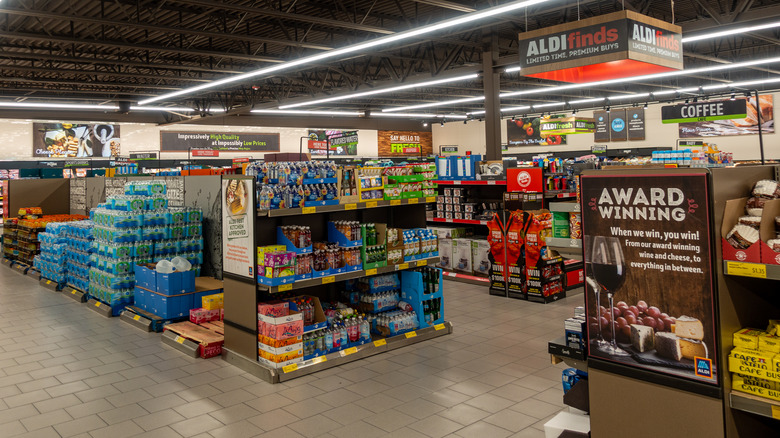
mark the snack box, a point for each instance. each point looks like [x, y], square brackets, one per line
[734, 209]
[201, 315]
[278, 351]
[212, 302]
[282, 327]
[274, 308]
[769, 343]
[754, 364]
[747, 338]
[276, 343]
[755, 386]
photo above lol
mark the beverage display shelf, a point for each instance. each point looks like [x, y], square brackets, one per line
[344, 207]
[561, 242]
[559, 194]
[754, 404]
[459, 221]
[379, 345]
[465, 278]
[302, 284]
[471, 182]
[754, 270]
[564, 207]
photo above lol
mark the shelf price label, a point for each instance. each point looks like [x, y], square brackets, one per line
[370, 272]
[73, 291]
[330, 279]
[180, 339]
[290, 368]
[371, 204]
[430, 199]
[410, 335]
[422, 263]
[380, 342]
[309, 210]
[285, 287]
[350, 206]
[136, 317]
[776, 412]
[439, 327]
[349, 351]
[413, 201]
[319, 359]
[48, 281]
[395, 202]
[402, 266]
[746, 269]
[491, 183]
[97, 304]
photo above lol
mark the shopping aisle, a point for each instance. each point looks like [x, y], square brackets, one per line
[67, 371]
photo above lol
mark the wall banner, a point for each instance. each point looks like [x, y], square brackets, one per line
[173, 141]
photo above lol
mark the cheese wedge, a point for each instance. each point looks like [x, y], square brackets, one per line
[667, 345]
[691, 349]
[642, 338]
[689, 328]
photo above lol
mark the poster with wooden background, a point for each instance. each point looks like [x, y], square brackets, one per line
[647, 241]
[405, 143]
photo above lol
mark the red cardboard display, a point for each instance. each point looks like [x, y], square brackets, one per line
[731, 214]
[525, 179]
[767, 232]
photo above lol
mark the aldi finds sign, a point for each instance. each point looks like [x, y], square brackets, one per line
[616, 45]
[704, 111]
[566, 126]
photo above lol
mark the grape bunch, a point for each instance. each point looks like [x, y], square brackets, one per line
[623, 315]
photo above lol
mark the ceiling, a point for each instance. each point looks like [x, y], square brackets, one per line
[129, 50]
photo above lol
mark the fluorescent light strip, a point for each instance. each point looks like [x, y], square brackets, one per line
[546, 105]
[730, 32]
[679, 90]
[55, 105]
[355, 48]
[577, 102]
[513, 69]
[383, 91]
[308, 113]
[515, 108]
[428, 105]
[420, 115]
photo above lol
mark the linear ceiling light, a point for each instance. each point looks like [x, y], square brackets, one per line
[55, 105]
[420, 115]
[383, 90]
[308, 113]
[591, 100]
[627, 96]
[355, 48]
[664, 75]
[679, 90]
[546, 105]
[691, 39]
[513, 69]
[742, 84]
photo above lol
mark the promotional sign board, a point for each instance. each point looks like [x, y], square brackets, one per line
[738, 126]
[616, 45]
[704, 111]
[566, 126]
[205, 153]
[602, 127]
[524, 179]
[650, 290]
[448, 150]
[238, 221]
[635, 118]
[173, 141]
[75, 140]
[526, 131]
[341, 142]
[143, 156]
[618, 129]
[400, 143]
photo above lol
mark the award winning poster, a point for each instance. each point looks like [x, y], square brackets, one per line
[238, 232]
[649, 282]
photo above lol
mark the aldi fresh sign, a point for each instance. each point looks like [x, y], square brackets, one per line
[568, 125]
[704, 111]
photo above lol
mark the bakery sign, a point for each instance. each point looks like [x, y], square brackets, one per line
[704, 111]
[647, 252]
[611, 46]
[566, 126]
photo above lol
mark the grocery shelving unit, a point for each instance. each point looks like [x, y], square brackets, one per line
[567, 247]
[242, 294]
[754, 404]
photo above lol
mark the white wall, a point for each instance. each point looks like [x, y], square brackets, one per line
[17, 138]
[471, 137]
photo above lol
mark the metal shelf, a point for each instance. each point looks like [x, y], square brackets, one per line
[755, 270]
[465, 278]
[560, 242]
[564, 207]
[471, 182]
[754, 404]
[335, 359]
[343, 207]
[459, 221]
[559, 194]
[302, 284]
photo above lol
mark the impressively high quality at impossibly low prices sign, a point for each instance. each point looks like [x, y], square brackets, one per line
[171, 141]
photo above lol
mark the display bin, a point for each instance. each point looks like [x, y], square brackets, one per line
[276, 281]
[281, 239]
[413, 292]
[320, 320]
[334, 235]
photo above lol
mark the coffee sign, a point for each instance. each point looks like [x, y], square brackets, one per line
[704, 111]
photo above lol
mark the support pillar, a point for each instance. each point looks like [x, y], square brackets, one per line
[491, 84]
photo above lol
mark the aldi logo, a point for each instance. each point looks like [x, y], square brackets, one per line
[703, 367]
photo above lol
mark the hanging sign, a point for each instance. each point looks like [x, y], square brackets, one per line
[618, 131]
[704, 111]
[611, 46]
[602, 127]
[566, 125]
[448, 150]
[635, 118]
[143, 156]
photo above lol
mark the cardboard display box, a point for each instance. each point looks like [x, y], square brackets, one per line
[210, 336]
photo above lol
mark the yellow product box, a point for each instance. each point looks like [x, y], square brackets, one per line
[213, 302]
[261, 250]
[738, 379]
[769, 393]
[769, 343]
[279, 358]
[774, 327]
[747, 338]
[753, 363]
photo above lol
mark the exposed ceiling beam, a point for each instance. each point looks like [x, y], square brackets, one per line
[159, 28]
[447, 5]
[5, 68]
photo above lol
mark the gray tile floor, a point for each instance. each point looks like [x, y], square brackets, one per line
[66, 371]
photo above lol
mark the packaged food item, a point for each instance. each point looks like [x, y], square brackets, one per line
[755, 206]
[774, 244]
[742, 236]
[751, 221]
[747, 338]
[767, 188]
[575, 225]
